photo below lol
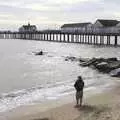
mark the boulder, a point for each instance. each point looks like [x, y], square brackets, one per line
[39, 53]
[114, 65]
[88, 62]
[84, 59]
[112, 59]
[103, 67]
[115, 72]
[71, 58]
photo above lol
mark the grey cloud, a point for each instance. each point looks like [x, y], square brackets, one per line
[56, 13]
[86, 7]
[111, 1]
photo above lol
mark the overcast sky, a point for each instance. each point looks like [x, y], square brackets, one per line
[53, 13]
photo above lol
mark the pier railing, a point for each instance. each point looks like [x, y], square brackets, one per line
[95, 38]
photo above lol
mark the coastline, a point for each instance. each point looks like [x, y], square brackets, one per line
[64, 109]
[23, 112]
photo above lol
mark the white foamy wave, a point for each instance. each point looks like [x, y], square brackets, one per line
[23, 97]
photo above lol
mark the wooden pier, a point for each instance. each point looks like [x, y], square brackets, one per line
[68, 37]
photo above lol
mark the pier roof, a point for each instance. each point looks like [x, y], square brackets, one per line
[108, 23]
[26, 26]
[75, 25]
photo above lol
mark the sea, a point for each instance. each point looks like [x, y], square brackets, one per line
[28, 79]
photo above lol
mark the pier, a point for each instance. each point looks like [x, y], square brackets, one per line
[107, 39]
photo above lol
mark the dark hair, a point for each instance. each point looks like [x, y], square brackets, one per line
[79, 77]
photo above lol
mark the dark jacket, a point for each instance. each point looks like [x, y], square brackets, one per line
[79, 85]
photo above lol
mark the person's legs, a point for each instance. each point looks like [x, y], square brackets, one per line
[81, 97]
[81, 101]
[77, 98]
[77, 101]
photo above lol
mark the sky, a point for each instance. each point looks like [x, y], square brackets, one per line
[51, 14]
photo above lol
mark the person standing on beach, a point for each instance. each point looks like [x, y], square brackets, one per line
[79, 85]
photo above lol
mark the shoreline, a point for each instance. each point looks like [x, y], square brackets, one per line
[88, 91]
[42, 110]
[26, 110]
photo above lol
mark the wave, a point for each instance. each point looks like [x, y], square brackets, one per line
[35, 94]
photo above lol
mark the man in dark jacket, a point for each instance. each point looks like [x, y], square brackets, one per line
[79, 85]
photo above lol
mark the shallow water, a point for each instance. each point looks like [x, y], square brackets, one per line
[26, 78]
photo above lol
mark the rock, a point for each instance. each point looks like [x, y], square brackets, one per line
[84, 59]
[71, 58]
[107, 67]
[84, 64]
[87, 62]
[102, 64]
[115, 72]
[39, 53]
[112, 59]
[103, 67]
[66, 59]
[114, 65]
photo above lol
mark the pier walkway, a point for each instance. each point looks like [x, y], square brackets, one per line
[69, 37]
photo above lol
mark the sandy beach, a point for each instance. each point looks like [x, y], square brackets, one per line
[101, 106]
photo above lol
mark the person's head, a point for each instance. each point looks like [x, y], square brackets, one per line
[79, 78]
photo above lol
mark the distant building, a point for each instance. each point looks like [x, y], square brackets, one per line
[105, 23]
[106, 26]
[81, 27]
[118, 25]
[28, 28]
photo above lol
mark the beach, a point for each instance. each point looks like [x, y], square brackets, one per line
[101, 106]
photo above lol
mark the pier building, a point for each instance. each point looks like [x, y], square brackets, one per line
[81, 27]
[28, 28]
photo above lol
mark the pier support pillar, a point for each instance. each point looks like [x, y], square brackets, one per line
[108, 40]
[116, 42]
[72, 38]
[53, 36]
[60, 37]
[80, 38]
[57, 37]
[68, 38]
[91, 39]
[64, 38]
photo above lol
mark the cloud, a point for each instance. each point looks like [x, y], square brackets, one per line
[52, 12]
[55, 4]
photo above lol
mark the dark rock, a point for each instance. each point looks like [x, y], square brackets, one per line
[39, 53]
[104, 65]
[83, 59]
[71, 58]
[112, 59]
[115, 72]
[66, 59]
[114, 65]
[89, 62]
